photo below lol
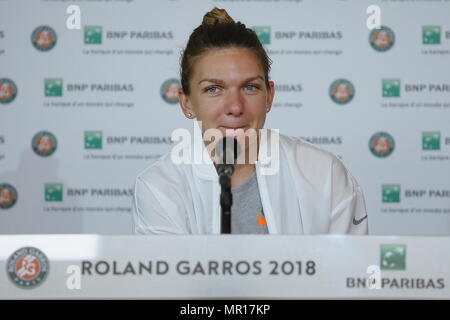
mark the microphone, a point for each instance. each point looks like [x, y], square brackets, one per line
[227, 151]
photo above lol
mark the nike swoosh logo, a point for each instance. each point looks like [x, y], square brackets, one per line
[356, 222]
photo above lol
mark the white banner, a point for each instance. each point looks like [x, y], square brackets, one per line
[84, 110]
[89, 266]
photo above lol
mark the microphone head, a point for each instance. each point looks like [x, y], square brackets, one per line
[227, 150]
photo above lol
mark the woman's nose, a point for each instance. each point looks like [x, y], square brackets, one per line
[235, 103]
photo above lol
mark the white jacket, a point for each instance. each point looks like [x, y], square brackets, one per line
[311, 193]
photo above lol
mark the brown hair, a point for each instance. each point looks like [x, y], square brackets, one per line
[218, 30]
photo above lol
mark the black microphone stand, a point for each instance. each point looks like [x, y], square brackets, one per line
[226, 198]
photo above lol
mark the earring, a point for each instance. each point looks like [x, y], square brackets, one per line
[189, 115]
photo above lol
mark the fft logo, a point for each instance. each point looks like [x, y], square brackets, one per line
[169, 90]
[8, 196]
[382, 39]
[393, 257]
[44, 143]
[8, 90]
[341, 91]
[43, 38]
[381, 144]
[27, 267]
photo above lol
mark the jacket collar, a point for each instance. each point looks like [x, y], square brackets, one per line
[206, 169]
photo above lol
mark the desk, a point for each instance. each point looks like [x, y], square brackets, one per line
[225, 266]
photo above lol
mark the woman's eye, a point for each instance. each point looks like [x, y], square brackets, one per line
[252, 87]
[212, 90]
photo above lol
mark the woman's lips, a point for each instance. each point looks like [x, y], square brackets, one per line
[234, 127]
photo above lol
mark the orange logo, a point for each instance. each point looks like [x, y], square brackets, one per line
[44, 144]
[261, 220]
[28, 267]
[6, 91]
[382, 39]
[6, 197]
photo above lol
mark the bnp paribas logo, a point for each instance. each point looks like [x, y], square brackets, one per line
[27, 267]
[393, 257]
[431, 34]
[93, 35]
[341, 91]
[53, 192]
[263, 33]
[8, 90]
[431, 140]
[8, 196]
[43, 38]
[93, 139]
[390, 193]
[53, 87]
[382, 39]
[44, 143]
[381, 144]
[391, 88]
[169, 90]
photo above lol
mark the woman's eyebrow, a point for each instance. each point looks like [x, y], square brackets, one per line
[218, 81]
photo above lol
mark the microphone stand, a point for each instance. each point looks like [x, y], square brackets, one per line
[226, 198]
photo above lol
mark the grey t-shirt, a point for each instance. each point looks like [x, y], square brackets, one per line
[247, 216]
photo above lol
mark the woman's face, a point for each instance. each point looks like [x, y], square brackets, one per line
[228, 91]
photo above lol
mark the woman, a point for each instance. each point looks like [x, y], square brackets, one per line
[226, 88]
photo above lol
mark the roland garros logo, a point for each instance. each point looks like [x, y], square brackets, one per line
[44, 143]
[27, 267]
[169, 90]
[382, 39]
[8, 90]
[43, 38]
[341, 91]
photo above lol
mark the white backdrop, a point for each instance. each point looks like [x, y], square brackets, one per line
[96, 103]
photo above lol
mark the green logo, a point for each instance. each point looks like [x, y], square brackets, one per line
[382, 39]
[381, 144]
[263, 33]
[393, 257]
[43, 38]
[431, 141]
[341, 91]
[92, 35]
[93, 140]
[44, 143]
[391, 88]
[8, 90]
[169, 90]
[8, 196]
[390, 193]
[27, 267]
[53, 192]
[53, 87]
[431, 35]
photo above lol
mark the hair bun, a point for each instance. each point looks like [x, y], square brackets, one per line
[217, 15]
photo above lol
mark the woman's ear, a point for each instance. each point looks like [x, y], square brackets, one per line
[185, 104]
[270, 95]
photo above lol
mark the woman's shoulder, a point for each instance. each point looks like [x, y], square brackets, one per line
[314, 161]
[161, 169]
[305, 150]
